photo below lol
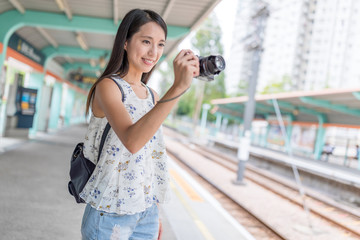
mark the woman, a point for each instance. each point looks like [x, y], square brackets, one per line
[131, 175]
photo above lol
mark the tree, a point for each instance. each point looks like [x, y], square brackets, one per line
[207, 41]
[278, 86]
[166, 69]
[242, 88]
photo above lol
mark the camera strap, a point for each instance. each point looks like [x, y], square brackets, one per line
[168, 100]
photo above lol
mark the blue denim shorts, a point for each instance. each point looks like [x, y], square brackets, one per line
[100, 225]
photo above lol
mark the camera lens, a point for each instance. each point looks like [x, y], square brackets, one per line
[219, 63]
[210, 66]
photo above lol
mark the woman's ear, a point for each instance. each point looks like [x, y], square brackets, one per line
[125, 46]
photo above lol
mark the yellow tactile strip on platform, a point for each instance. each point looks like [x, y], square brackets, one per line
[193, 195]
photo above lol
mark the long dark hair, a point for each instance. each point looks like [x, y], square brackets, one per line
[118, 63]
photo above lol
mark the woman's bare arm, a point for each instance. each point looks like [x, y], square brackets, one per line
[134, 136]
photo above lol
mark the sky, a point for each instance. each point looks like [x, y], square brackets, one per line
[225, 12]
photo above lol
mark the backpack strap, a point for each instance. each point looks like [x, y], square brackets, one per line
[107, 127]
[103, 137]
[121, 89]
[152, 94]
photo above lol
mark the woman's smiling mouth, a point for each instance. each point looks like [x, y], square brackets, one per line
[148, 61]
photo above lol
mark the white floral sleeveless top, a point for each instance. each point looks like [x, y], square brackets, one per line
[122, 182]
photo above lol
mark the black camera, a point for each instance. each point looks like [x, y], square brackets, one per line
[210, 66]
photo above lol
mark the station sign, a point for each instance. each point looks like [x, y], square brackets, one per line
[89, 80]
[25, 48]
[274, 121]
[78, 77]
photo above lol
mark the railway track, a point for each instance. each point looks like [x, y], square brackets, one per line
[330, 211]
[254, 225]
[336, 215]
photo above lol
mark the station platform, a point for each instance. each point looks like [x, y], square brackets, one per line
[290, 220]
[335, 171]
[35, 203]
[193, 213]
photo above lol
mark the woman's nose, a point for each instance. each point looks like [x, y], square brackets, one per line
[152, 50]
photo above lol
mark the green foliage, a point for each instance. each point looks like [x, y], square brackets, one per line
[208, 38]
[242, 89]
[278, 86]
[207, 41]
[166, 69]
[186, 104]
[214, 90]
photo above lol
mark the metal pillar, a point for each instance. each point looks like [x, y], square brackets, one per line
[293, 166]
[346, 153]
[259, 21]
[289, 129]
[55, 106]
[199, 96]
[320, 139]
[218, 121]
[205, 109]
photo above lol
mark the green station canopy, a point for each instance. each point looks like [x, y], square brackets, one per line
[334, 106]
[56, 27]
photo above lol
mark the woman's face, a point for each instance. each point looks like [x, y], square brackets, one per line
[145, 48]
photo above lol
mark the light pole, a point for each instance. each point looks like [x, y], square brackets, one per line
[259, 22]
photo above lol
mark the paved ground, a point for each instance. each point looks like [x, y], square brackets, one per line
[34, 202]
[34, 199]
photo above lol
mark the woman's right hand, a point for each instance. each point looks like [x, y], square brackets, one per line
[186, 67]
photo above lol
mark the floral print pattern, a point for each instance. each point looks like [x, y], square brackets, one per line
[122, 182]
[156, 154]
[112, 150]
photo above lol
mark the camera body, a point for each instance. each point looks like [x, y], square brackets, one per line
[210, 66]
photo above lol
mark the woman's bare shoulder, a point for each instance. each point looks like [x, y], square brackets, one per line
[106, 93]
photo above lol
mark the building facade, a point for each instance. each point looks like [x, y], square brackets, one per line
[313, 44]
[239, 65]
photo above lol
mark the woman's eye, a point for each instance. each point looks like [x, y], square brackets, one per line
[146, 41]
[162, 45]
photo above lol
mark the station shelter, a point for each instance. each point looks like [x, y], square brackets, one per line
[314, 121]
[51, 52]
